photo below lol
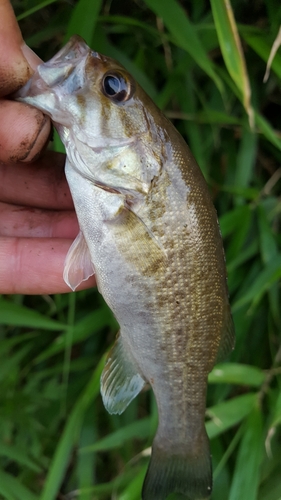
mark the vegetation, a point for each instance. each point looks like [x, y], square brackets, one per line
[56, 439]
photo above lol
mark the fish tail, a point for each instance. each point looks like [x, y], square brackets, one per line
[187, 473]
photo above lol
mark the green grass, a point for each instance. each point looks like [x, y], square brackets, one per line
[57, 441]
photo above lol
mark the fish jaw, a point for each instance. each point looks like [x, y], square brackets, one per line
[55, 81]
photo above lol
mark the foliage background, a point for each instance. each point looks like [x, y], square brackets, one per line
[56, 439]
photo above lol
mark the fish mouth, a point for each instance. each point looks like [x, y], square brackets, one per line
[56, 70]
[75, 49]
[65, 69]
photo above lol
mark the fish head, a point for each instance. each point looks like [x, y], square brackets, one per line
[91, 95]
[102, 116]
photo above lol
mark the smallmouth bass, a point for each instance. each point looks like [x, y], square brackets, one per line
[149, 231]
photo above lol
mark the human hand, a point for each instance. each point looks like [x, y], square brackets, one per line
[37, 218]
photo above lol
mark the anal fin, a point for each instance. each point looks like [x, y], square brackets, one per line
[120, 380]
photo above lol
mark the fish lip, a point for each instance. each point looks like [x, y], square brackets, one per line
[76, 48]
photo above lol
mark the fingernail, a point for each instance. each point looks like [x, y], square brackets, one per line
[32, 58]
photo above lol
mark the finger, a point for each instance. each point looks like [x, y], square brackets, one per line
[14, 68]
[41, 184]
[24, 131]
[26, 222]
[34, 266]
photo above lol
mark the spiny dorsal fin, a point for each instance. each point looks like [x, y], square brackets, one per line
[120, 380]
[78, 266]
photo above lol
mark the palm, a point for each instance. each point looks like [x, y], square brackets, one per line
[37, 219]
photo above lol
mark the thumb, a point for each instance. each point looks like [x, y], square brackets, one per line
[17, 61]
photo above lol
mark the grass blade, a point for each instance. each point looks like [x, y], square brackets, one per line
[70, 436]
[227, 414]
[232, 52]
[246, 159]
[140, 429]
[19, 456]
[262, 47]
[133, 490]
[246, 475]
[235, 373]
[15, 315]
[264, 281]
[34, 9]
[11, 488]
[83, 19]
[275, 47]
[185, 34]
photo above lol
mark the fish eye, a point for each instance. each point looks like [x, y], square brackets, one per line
[116, 87]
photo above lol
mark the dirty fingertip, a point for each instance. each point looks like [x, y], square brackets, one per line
[40, 141]
[24, 132]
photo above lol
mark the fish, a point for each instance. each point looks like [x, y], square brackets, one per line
[149, 231]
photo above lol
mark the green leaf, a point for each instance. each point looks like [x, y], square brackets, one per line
[10, 364]
[83, 19]
[269, 251]
[230, 413]
[83, 329]
[268, 244]
[86, 464]
[240, 235]
[264, 281]
[243, 256]
[235, 373]
[246, 159]
[271, 489]
[140, 429]
[15, 315]
[133, 490]
[267, 130]
[70, 435]
[34, 9]
[18, 455]
[276, 416]
[273, 52]
[262, 123]
[232, 52]
[100, 490]
[11, 488]
[184, 33]
[230, 221]
[262, 47]
[247, 474]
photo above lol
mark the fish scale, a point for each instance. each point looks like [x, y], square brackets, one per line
[149, 231]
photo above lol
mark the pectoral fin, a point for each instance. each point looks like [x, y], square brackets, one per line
[120, 380]
[77, 266]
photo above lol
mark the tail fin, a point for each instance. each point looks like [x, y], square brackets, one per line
[189, 474]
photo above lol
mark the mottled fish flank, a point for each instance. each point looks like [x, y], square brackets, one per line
[149, 231]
